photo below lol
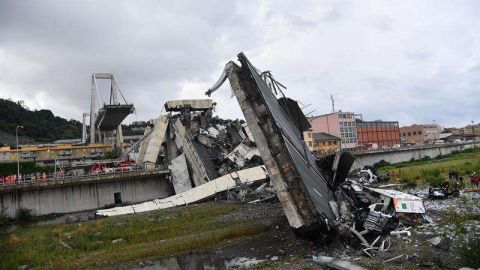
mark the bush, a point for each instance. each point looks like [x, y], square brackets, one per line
[3, 219]
[411, 184]
[425, 158]
[381, 163]
[26, 167]
[115, 153]
[433, 180]
[24, 214]
[469, 252]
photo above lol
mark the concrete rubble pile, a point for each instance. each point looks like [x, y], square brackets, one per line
[206, 155]
[196, 146]
[315, 193]
[213, 158]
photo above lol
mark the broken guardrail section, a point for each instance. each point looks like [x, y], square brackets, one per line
[300, 185]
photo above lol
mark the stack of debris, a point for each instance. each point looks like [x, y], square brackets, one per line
[315, 194]
[196, 146]
[211, 157]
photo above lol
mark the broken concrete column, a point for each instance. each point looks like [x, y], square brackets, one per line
[143, 146]
[198, 169]
[180, 177]
[155, 142]
[280, 148]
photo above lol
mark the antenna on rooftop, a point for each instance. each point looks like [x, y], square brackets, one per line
[333, 103]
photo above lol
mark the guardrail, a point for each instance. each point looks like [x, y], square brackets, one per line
[413, 147]
[85, 176]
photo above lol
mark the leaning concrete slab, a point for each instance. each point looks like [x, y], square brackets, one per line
[155, 143]
[180, 177]
[200, 175]
[301, 188]
[143, 146]
[196, 194]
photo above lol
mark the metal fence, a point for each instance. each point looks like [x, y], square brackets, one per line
[51, 177]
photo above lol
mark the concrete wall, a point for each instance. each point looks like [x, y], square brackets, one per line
[397, 156]
[85, 196]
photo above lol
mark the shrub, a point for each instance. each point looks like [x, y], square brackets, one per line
[115, 153]
[431, 172]
[469, 252]
[381, 163]
[433, 180]
[26, 167]
[425, 158]
[3, 218]
[24, 214]
[411, 184]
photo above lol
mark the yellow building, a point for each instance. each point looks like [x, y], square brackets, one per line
[321, 142]
[52, 151]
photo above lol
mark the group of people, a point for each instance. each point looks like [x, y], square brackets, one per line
[11, 179]
[474, 179]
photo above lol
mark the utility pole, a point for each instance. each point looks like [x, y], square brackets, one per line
[474, 136]
[333, 103]
[18, 156]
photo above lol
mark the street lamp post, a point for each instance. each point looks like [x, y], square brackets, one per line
[474, 136]
[18, 156]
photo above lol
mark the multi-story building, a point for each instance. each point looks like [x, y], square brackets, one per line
[339, 124]
[472, 130]
[375, 134]
[420, 134]
[53, 151]
[321, 143]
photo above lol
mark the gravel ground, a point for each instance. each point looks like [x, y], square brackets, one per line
[417, 251]
[280, 248]
[266, 213]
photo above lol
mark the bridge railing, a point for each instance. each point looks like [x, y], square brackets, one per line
[410, 147]
[51, 177]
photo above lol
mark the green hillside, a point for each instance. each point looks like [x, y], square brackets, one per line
[41, 125]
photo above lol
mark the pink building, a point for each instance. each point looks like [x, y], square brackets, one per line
[340, 124]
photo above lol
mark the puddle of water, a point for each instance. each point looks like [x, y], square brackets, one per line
[193, 262]
[61, 219]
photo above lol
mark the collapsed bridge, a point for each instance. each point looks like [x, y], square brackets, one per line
[304, 191]
[209, 156]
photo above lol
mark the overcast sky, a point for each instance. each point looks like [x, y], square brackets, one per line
[411, 61]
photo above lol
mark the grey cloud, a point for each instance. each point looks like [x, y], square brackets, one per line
[399, 61]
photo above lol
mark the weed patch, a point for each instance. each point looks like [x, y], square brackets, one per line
[469, 252]
[160, 233]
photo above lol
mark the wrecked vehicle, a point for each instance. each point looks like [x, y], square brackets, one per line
[368, 175]
[444, 191]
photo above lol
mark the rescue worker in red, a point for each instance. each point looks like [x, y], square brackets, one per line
[474, 179]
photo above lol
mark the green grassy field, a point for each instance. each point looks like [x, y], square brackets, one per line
[153, 234]
[433, 171]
